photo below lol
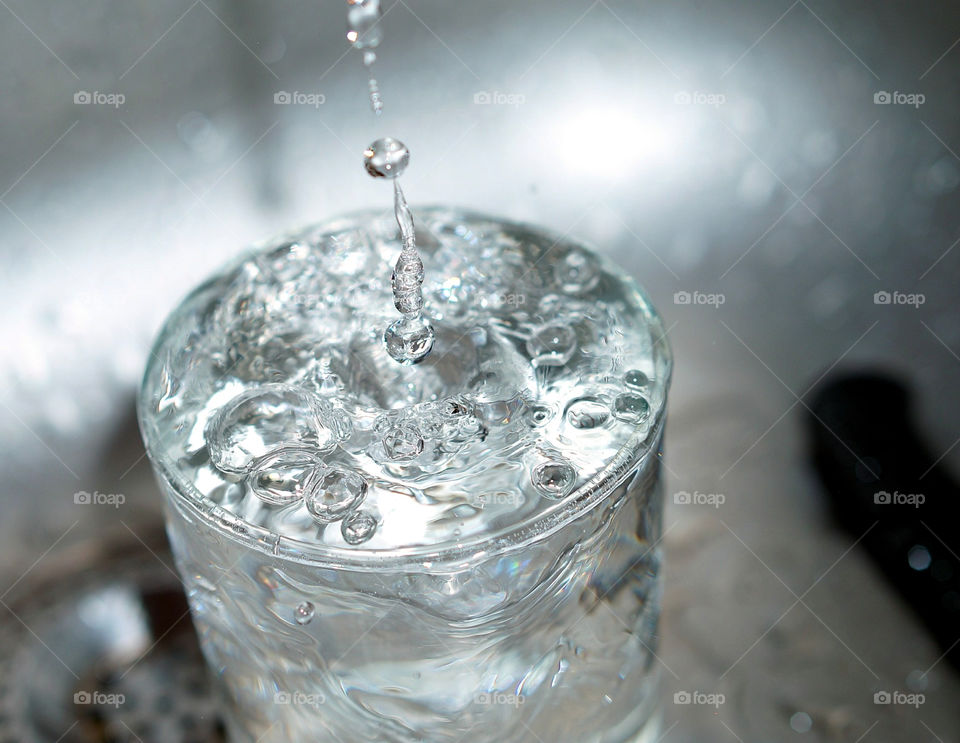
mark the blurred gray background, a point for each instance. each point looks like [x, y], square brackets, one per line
[779, 164]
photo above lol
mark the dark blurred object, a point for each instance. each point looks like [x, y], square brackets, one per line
[886, 487]
[99, 648]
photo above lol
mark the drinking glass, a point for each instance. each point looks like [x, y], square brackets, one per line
[531, 619]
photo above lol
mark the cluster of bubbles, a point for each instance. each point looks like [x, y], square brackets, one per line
[275, 437]
[313, 429]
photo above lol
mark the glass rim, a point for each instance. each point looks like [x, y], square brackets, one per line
[184, 494]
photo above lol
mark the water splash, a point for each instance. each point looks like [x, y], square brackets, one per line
[410, 339]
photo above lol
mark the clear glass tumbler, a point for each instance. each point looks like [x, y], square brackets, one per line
[500, 584]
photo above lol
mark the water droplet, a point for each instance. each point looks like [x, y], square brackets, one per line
[332, 493]
[409, 340]
[263, 419]
[279, 477]
[363, 29]
[919, 557]
[636, 378]
[587, 412]
[537, 415]
[801, 722]
[403, 443]
[386, 158]
[358, 527]
[552, 345]
[304, 613]
[631, 408]
[555, 479]
[577, 272]
[376, 100]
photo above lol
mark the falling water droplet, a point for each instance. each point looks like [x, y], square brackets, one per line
[358, 527]
[386, 158]
[304, 613]
[332, 493]
[552, 345]
[555, 479]
[409, 340]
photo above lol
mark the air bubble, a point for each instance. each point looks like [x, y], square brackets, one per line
[403, 443]
[279, 477]
[409, 340]
[552, 345]
[577, 272]
[537, 415]
[386, 158]
[555, 479]
[631, 408]
[636, 378]
[586, 413]
[261, 420]
[358, 527]
[304, 613]
[333, 493]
